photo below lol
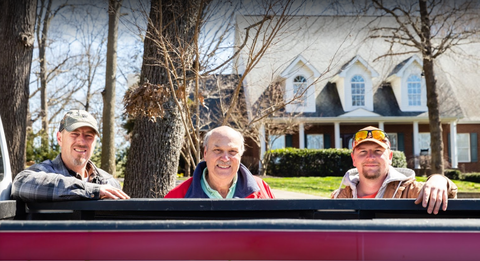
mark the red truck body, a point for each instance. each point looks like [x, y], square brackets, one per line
[161, 229]
[238, 245]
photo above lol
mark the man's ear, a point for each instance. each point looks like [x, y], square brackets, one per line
[353, 159]
[59, 138]
[390, 156]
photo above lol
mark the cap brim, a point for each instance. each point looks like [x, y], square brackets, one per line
[383, 144]
[77, 125]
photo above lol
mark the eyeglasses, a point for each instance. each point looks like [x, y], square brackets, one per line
[370, 134]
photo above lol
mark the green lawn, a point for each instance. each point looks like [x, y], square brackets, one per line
[323, 186]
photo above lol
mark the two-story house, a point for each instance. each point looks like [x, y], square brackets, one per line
[345, 81]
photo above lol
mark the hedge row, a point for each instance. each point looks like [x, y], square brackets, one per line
[457, 175]
[293, 162]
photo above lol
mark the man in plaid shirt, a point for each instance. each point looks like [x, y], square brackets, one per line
[71, 175]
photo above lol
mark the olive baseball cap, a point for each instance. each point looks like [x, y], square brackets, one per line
[75, 119]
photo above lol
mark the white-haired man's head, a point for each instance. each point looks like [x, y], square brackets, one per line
[223, 151]
[226, 131]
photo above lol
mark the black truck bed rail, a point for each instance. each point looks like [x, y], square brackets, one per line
[178, 209]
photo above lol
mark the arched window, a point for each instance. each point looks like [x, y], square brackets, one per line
[414, 83]
[299, 90]
[358, 91]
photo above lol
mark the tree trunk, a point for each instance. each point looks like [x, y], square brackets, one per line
[152, 161]
[17, 24]
[108, 133]
[154, 154]
[436, 141]
[42, 32]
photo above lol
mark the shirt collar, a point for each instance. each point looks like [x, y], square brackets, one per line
[89, 167]
[211, 193]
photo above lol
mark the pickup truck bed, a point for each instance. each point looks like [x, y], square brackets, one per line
[244, 229]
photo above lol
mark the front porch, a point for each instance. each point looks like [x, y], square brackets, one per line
[411, 137]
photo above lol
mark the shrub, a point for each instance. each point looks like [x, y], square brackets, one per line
[37, 153]
[453, 174]
[473, 177]
[293, 162]
[399, 160]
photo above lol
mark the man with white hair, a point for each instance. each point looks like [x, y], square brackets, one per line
[221, 175]
[72, 175]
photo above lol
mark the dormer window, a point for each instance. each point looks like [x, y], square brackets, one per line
[358, 91]
[299, 81]
[354, 84]
[299, 88]
[414, 84]
[408, 85]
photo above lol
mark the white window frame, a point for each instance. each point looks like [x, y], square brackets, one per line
[277, 142]
[414, 90]
[358, 86]
[300, 85]
[463, 147]
[393, 138]
[322, 142]
[424, 141]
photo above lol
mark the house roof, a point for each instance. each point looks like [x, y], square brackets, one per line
[400, 66]
[217, 92]
[460, 69]
[335, 43]
[328, 104]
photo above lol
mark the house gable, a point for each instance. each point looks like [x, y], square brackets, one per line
[354, 84]
[360, 112]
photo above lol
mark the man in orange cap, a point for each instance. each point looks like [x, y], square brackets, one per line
[374, 177]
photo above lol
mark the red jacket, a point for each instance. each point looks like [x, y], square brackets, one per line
[248, 186]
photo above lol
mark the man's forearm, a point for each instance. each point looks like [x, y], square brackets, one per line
[30, 185]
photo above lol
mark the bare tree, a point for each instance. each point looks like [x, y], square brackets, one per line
[108, 132]
[44, 18]
[91, 35]
[17, 25]
[270, 105]
[158, 134]
[430, 28]
[71, 55]
[183, 63]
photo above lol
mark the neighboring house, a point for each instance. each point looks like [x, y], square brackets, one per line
[346, 86]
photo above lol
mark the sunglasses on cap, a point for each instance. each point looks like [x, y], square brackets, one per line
[370, 134]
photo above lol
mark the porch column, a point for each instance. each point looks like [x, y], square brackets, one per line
[301, 133]
[381, 125]
[338, 144]
[416, 148]
[453, 144]
[262, 137]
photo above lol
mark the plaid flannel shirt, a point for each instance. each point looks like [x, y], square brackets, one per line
[53, 181]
